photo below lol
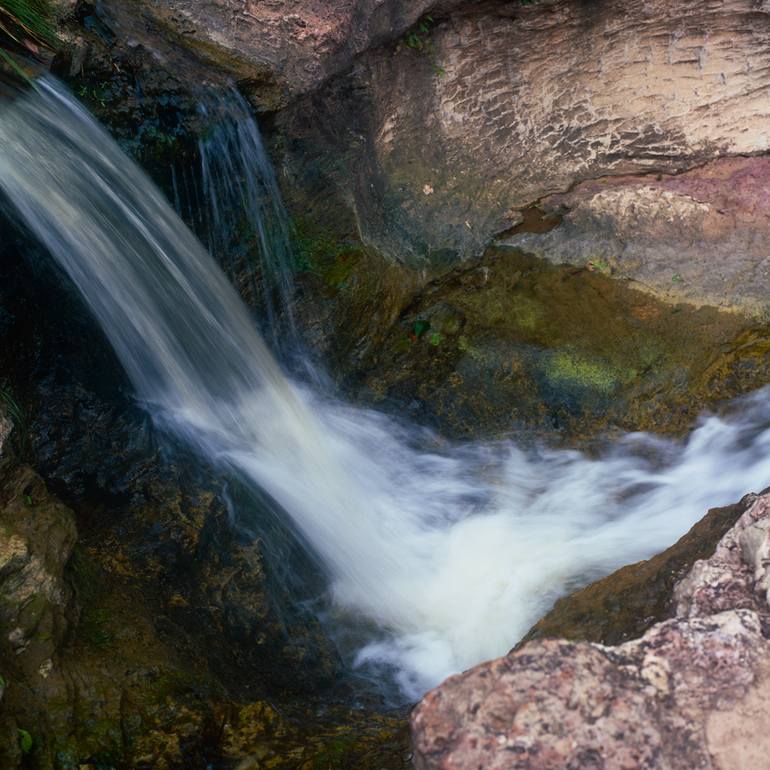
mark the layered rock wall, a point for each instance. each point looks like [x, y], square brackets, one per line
[433, 122]
[508, 102]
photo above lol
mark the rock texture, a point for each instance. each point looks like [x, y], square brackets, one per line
[299, 43]
[702, 236]
[508, 102]
[433, 122]
[628, 602]
[692, 692]
[512, 345]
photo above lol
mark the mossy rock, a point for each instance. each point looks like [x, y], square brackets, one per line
[514, 345]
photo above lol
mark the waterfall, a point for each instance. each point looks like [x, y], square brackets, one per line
[242, 214]
[453, 551]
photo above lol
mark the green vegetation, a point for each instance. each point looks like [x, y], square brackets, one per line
[419, 327]
[417, 39]
[600, 264]
[26, 23]
[323, 254]
[567, 368]
[25, 741]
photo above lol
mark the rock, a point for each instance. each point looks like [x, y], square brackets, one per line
[691, 692]
[626, 603]
[427, 126]
[37, 535]
[510, 344]
[6, 426]
[301, 44]
[654, 230]
[506, 103]
[37, 607]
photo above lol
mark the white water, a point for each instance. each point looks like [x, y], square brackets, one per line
[454, 552]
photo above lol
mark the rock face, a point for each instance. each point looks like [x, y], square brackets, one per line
[431, 123]
[506, 102]
[512, 344]
[299, 43]
[692, 692]
[656, 230]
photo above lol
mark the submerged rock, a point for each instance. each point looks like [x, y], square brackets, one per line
[690, 693]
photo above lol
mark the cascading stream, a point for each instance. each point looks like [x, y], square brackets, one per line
[454, 553]
[242, 208]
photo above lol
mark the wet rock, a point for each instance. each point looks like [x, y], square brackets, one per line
[37, 535]
[689, 693]
[626, 603]
[37, 607]
[513, 343]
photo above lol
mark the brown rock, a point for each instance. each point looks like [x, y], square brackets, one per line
[689, 693]
[432, 134]
[655, 230]
[508, 102]
[626, 603]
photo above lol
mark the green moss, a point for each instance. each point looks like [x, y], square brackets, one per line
[566, 368]
[95, 627]
[527, 313]
[333, 754]
[324, 254]
[25, 741]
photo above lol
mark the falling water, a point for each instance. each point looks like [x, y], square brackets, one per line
[454, 552]
[238, 210]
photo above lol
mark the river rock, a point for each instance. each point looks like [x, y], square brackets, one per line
[692, 692]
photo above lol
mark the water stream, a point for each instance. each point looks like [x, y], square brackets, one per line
[453, 551]
[242, 215]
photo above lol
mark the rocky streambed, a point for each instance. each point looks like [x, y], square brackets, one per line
[544, 219]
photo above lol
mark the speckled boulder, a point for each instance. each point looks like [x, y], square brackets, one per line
[693, 692]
